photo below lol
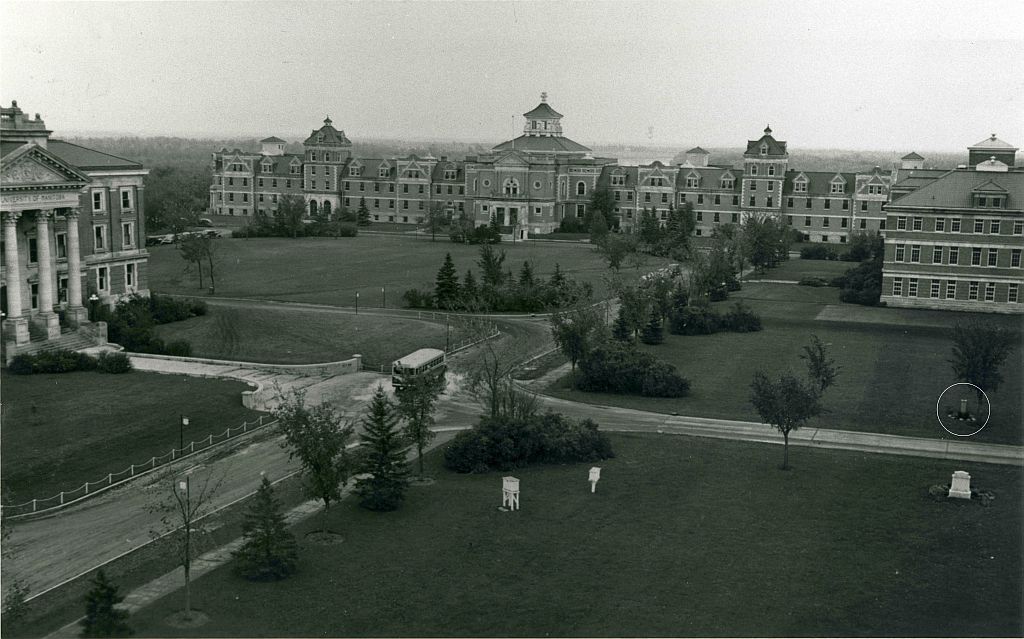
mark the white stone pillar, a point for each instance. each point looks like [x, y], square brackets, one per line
[76, 313]
[47, 268]
[15, 324]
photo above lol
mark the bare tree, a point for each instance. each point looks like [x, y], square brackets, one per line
[493, 363]
[436, 219]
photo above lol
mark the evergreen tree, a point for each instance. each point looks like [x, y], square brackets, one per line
[650, 228]
[557, 278]
[598, 228]
[621, 329]
[490, 263]
[268, 550]
[363, 215]
[102, 619]
[470, 291]
[382, 459]
[526, 275]
[652, 333]
[446, 290]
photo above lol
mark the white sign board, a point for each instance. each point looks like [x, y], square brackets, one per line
[595, 473]
[961, 486]
[182, 485]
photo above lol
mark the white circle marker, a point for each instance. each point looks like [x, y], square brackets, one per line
[939, 401]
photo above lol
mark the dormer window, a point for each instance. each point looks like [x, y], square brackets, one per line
[764, 149]
[450, 174]
[800, 186]
[319, 137]
[355, 171]
[619, 180]
[837, 187]
[692, 182]
[753, 169]
[728, 183]
[267, 167]
[383, 172]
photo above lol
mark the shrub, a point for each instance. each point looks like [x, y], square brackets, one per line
[695, 320]
[813, 281]
[347, 230]
[660, 379]
[484, 235]
[178, 348]
[818, 252]
[505, 443]
[861, 284]
[114, 363]
[718, 294]
[618, 368]
[572, 224]
[20, 365]
[741, 319]
[415, 298]
[167, 309]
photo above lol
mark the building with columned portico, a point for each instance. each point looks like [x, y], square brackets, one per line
[73, 235]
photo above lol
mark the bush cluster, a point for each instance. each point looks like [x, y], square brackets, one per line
[819, 252]
[861, 284]
[619, 368]
[488, 234]
[505, 443]
[266, 226]
[703, 320]
[814, 281]
[132, 320]
[65, 361]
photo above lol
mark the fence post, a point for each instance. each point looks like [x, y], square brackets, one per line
[245, 427]
[86, 488]
[172, 454]
[33, 505]
[211, 439]
[132, 474]
[192, 447]
[110, 478]
[62, 498]
[152, 462]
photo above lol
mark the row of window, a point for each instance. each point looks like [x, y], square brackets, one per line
[939, 225]
[952, 255]
[935, 289]
[101, 278]
[99, 200]
[99, 241]
[273, 183]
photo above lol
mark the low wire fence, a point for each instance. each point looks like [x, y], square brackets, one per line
[91, 488]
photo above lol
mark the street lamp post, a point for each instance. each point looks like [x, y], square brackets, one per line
[447, 332]
[92, 306]
[182, 423]
[186, 487]
[383, 297]
[357, 302]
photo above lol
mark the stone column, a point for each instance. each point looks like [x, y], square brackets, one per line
[76, 313]
[15, 324]
[47, 268]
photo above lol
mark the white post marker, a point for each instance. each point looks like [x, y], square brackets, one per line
[961, 485]
[510, 493]
[595, 475]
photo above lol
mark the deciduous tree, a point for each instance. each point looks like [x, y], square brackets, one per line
[291, 210]
[785, 403]
[417, 400]
[979, 351]
[577, 330]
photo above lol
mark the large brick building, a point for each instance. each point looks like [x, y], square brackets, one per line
[954, 238]
[73, 228]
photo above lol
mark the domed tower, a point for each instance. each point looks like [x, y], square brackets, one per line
[543, 121]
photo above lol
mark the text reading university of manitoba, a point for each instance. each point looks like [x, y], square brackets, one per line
[72, 227]
[953, 236]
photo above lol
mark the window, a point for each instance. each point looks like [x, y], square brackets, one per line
[901, 223]
[129, 275]
[99, 201]
[940, 224]
[128, 234]
[771, 170]
[581, 188]
[692, 182]
[915, 253]
[900, 253]
[647, 196]
[844, 222]
[954, 225]
[99, 238]
[362, 186]
[581, 209]
[35, 296]
[912, 288]
[753, 169]
[837, 187]
[800, 186]
[126, 200]
[735, 218]
[935, 289]
[700, 198]
[511, 187]
[828, 204]
[62, 289]
[950, 290]
[102, 278]
[993, 257]
[1014, 257]
[33, 250]
[972, 291]
[846, 205]
[618, 180]
[421, 188]
[260, 181]
[937, 255]
[789, 202]
[954, 255]
[1012, 295]
[768, 202]
[728, 183]
[718, 199]
[449, 174]
[764, 149]
[897, 286]
[700, 216]
[864, 205]
[751, 200]
[718, 217]
[979, 226]
[771, 185]
[807, 220]
[61, 240]
[993, 227]
[753, 185]
[405, 204]
[990, 291]
[976, 257]
[376, 203]
[863, 224]
[664, 198]
[825, 222]
[1018, 227]
[735, 200]
[789, 220]
[807, 202]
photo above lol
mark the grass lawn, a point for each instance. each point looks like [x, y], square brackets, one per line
[296, 336]
[684, 537]
[60, 431]
[332, 271]
[891, 375]
[795, 269]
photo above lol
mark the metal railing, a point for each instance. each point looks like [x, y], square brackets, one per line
[92, 488]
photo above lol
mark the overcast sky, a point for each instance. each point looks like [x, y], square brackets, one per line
[852, 74]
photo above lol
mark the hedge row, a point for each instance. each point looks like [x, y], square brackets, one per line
[703, 320]
[64, 361]
[620, 368]
[505, 443]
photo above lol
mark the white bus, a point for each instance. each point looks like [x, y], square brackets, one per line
[424, 361]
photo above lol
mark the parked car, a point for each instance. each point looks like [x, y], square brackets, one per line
[205, 221]
[153, 240]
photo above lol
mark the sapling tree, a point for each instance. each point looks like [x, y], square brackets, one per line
[417, 400]
[577, 330]
[102, 618]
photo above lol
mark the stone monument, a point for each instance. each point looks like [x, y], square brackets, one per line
[510, 493]
[595, 474]
[961, 486]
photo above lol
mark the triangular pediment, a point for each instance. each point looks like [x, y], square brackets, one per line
[838, 179]
[512, 158]
[989, 187]
[34, 165]
[801, 178]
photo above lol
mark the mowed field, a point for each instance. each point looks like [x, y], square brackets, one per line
[331, 271]
[684, 537]
[297, 336]
[795, 269]
[892, 363]
[60, 431]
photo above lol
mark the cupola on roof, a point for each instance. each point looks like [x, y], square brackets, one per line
[327, 135]
[912, 156]
[543, 134]
[992, 143]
